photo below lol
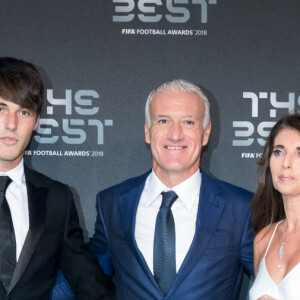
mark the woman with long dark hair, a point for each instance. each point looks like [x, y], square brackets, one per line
[276, 215]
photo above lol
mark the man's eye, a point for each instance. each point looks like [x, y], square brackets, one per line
[25, 113]
[189, 122]
[162, 121]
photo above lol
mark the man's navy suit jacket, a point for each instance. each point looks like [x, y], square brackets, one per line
[213, 267]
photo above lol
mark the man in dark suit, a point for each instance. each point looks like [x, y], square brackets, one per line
[39, 228]
[174, 232]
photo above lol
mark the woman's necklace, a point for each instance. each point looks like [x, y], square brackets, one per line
[283, 243]
[281, 247]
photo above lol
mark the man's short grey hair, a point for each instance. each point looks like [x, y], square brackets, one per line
[183, 86]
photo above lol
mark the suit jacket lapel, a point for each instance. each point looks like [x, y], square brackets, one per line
[210, 210]
[128, 204]
[2, 291]
[37, 197]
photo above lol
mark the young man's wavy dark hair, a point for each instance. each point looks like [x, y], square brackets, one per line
[21, 83]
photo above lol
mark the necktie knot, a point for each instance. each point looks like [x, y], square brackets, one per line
[168, 198]
[4, 183]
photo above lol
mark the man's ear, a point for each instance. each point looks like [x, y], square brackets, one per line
[206, 134]
[36, 122]
[147, 133]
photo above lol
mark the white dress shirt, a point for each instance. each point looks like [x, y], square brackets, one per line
[16, 195]
[184, 211]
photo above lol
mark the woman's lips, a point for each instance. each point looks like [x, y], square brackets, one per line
[285, 177]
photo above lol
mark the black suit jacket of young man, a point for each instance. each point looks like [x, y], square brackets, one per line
[54, 240]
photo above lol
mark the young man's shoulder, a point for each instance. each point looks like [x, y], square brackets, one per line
[40, 179]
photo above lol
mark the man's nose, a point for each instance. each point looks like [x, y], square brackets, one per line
[11, 121]
[175, 132]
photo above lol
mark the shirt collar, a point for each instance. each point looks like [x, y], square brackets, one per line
[187, 190]
[17, 174]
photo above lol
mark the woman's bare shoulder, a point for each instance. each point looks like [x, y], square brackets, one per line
[260, 245]
[262, 239]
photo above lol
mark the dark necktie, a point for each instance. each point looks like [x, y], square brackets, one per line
[164, 263]
[7, 237]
